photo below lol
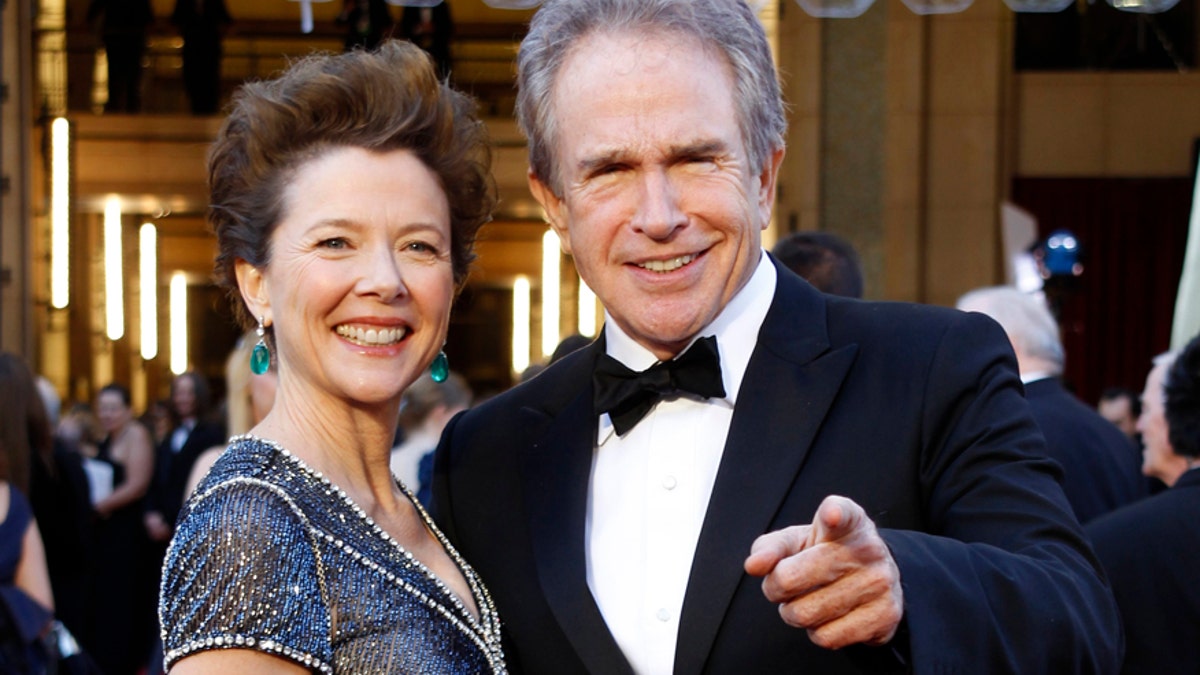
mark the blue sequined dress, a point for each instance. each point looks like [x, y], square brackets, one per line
[269, 555]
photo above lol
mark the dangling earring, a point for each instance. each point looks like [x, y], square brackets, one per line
[439, 370]
[260, 356]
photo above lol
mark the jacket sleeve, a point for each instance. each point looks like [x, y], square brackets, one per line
[1002, 579]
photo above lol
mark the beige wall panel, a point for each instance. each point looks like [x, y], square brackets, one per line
[962, 160]
[1154, 123]
[905, 68]
[1106, 124]
[499, 262]
[964, 65]
[801, 74]
[960, 252]
[193, 255]
[903, 160]
[804, 158]
[1062, 123]
[140, 165]
[902, 253]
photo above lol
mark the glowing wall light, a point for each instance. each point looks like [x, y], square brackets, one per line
[60, 213]
[520, 325]
[148, 278]
[114, 273]
[587, 310]
[179, 328]
[551, 252]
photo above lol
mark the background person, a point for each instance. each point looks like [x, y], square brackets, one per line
[1151, 550]
[191, 434]
[123, 580]
[424, 411]
[1122, 407]
[1101, 471]
[248, 399]
[26, 598]
[346, 196]
[824, 259]
[613, 502]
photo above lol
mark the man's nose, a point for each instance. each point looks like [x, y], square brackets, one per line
[659, 211]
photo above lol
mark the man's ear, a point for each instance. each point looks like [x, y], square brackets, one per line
[556, 211]
[253, 288]
[766, 185]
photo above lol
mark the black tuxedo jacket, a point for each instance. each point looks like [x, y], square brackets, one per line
[1102, 470]
[172, 469]
[915, 412]
[1151, 551]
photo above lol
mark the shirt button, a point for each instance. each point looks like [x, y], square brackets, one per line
[663, 615]
[669, 482]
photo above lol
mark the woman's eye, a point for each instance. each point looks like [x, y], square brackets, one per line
[421, 247]
[336, 243]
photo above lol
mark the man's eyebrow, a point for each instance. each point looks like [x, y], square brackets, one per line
[605, 158]
[708, 147]
[617, 156]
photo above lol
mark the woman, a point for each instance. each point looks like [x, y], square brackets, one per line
[120, 626]
[426, 408]
[191, 434]
[26, 599]
[345, 197]
[247, 401]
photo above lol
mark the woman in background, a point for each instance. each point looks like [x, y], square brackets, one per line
[424, 411]
[26, 599]
[247, 401]
[119, 626]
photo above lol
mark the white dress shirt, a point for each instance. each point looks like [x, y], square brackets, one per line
[649, 490]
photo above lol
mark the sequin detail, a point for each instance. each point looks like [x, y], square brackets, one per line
[270, 555]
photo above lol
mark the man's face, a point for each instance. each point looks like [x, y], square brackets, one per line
[656, 198]
[1158, 457]
[1118, 411]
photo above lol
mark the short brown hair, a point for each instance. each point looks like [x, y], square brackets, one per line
[381, 101]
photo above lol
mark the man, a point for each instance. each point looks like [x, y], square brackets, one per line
[1101, 470]
[617, 532]
[1121, 407]
[1160, 459]
[1151, 550]
[824, 259]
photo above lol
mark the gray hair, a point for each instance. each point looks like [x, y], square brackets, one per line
[728, 27]
[1025, 318]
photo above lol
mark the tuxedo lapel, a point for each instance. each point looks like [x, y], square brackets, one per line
[789, 386]
[556, 469]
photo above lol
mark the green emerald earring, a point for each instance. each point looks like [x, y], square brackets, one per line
[439, 370]
[260, 356]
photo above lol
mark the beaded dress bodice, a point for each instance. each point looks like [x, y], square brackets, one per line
[269, 555]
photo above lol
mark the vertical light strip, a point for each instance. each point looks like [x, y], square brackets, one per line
[148, 278]
[114, 273]
[520, 325]
[551, 252]
[587, 310]
[179, 324]
[60, 213]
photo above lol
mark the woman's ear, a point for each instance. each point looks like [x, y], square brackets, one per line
[253, 288]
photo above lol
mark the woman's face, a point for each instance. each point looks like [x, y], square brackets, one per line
[112, 412]
[183, 397]
[360, 280]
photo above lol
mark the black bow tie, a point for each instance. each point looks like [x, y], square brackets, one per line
[627, 395]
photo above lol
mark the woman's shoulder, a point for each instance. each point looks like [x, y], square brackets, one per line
[15, 511]
[244, 570]
[244, 457]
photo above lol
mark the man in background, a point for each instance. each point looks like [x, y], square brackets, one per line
[824, 259]
[1100, 468]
